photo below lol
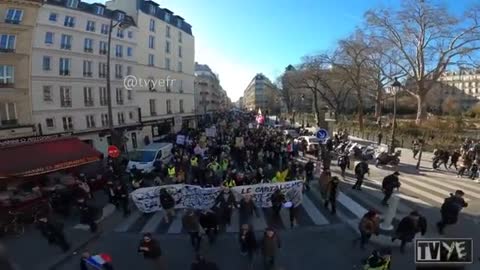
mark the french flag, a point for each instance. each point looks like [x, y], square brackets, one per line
[98, 261]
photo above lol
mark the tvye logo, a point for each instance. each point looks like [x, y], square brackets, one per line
[444, 250]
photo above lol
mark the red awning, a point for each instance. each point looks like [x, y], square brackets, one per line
[44, 157]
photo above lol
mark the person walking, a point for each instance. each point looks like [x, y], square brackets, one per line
[270, 245]
[209, 222]
[192, 226]
[151, 252]
[415, 148]
[247, 209]
[454, 159]
[87, 214]
[360, 170]
[121, 194]
[168, 204]
[389, 183]
[450, 210]
[309, 168]
[379, 137]
[277, 199]
[248, 243]
[331, 194]
[343, 163]
[53, 232]
[200, 263]
[368, 225]
[225, 203]
[408, 227]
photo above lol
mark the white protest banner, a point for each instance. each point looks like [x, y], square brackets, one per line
[147, 200]
[181, 139]
[211, 132]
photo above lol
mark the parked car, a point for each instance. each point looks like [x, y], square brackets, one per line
[312, 142]
[290, 132]
[146, 159]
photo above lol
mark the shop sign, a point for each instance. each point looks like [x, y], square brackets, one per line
[33, 139]
[59, 166]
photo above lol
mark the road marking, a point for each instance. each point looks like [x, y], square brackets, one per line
[313, 212]
[234, 222]
[429, 187]
[451, 187]
[123, 227]
[351, 205]
[153, 223]
[413, 199]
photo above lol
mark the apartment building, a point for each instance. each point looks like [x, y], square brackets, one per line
[209, 94]
[165, 58]
[17, 22]
[463, 86]
[262, 94]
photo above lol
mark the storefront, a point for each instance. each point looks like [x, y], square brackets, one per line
[161, 128]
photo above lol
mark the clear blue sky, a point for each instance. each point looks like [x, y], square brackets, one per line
[239, 38]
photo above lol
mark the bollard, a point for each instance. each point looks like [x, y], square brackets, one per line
[392, 210]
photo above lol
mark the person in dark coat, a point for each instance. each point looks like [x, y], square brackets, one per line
[331, 194]
[360, 170]
[168, 204]
[87, 214]
[270, 245]
[454, 159]
[343, 163]
[121, 194]
[191, 224]
[277, 199]
[248, 243]
[225, 203]
[450, 210]
[389, 183]
[309, 168]
[151, 251]
[209, 223]
[110, 190]
[53, 232]
[247, 209]
[201, 263]
[408, 227]
[369, 225]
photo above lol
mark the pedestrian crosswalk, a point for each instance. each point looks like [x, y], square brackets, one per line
[416, 192]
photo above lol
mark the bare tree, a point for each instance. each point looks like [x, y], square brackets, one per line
[428, 39]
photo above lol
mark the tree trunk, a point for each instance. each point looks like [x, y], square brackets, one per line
[360, 110]
[378, 103]
[317, 111]
[421, 107]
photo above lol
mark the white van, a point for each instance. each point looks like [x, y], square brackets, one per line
[144, 159]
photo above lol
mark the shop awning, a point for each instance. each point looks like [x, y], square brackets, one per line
[44, 157]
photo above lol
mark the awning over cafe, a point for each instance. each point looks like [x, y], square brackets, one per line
[44, 157]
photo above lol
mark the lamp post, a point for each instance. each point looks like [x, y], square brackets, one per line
[396, 87]
[113, 134]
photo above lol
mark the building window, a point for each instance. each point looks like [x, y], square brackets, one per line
[180, 39]
[167, 17]
[180, 105]
[152, 25]
[153, 107]
[121, 18]
[91, 26]
[129, 95]
[152, 9]
[179, 23]
[129, 70]
[102, 48]
[8, 113]
[102, 70]
[151, 60]
[180, 51]
[88, 97]
[104, 118]
[66, 42]
[103, 96]
[151, 86]
[14, 16]
[119, 51]
[119, 96]
[50, 123]
[53, 17]
[46, 65]
[49, 38]
[67, 123]
[180, 86]
[90, 119]
[69, 21]
[72, 3]
[134, 140]
[65, 97]
[130, 34]
[118, 71]
[6, 75]
[169, 106]
[151, 42]
[88, 45]
[167, 63]
[121, 118]
[7, 43]
[129, 51]
[120, 33]
[47, 93]
[105, 29]
[168, 31]
[99, 10]
[167, 46]
[180, 67]
[64, 66]
[131, 115]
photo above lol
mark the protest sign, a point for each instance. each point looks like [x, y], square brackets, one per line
[147, 200]
[181, 139]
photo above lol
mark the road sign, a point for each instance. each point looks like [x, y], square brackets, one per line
[322, 134]
[113, 151]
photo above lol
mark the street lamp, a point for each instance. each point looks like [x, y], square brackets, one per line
[395, 89]
[113, 134]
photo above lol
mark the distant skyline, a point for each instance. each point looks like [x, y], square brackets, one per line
[239, 39]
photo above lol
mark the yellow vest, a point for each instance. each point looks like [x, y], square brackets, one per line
[381, 267]
[224, 165]
[194, 162]
[230, 183]
[171, 172]
[214, 166]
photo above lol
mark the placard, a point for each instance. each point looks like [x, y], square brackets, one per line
[181, 139]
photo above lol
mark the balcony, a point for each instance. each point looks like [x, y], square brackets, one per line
[11, 122]
[88, 50]
[118, 76]
[103, 102]
[169, 112]
[153, 113]
[7, 50]
[89, 103]
[103, 52]
[119, 101]
[66, 103]
[11, 21]
[87, 74]
[66, 46]
[69, 24]
[4, 84]
[102, 75]
[65, 72]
